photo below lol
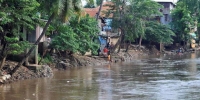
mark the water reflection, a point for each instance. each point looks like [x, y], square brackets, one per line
[105, 84]
[193, 64]
[155, 78]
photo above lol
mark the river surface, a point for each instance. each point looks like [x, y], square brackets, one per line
[152, 78]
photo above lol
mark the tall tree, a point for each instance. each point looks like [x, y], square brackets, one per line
[181, 23]
[193, 6]
[131, 15]
[157, 32]
[100, 7]
[14, 16]
[118, 9]
[143, 10]
[53, 9]
[77, 36]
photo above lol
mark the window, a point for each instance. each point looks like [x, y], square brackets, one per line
[166, 17]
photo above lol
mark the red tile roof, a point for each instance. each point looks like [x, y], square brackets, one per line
[93, 11]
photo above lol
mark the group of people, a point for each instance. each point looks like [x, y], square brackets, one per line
[107, 50]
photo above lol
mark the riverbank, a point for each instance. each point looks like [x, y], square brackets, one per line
[64, 63]
[23, 72]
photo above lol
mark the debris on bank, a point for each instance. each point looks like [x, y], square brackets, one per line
[22, 73]
[63, 63]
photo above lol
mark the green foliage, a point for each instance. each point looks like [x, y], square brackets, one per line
[14, 16]
[46, 60]
[92, 3]
[98, 2]
[63, 9]
[132, 18]
[182, 22]
[86, 30]
[16, 47]
[18, 12]
[77, 36]
[88, 5]
[65, 40]
[156, 32]
[193, 6]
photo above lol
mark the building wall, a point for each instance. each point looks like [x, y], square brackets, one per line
[166, 18]
[34, 35]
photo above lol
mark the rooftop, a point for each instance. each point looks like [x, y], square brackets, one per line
[92, 11]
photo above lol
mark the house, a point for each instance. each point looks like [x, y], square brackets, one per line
[32, 36]
[104, 23]
[166, 18]
[168, 6]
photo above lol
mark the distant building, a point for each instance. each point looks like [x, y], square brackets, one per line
[168, 6]
[104, 23]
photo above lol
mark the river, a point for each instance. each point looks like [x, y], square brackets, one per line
[163, 77]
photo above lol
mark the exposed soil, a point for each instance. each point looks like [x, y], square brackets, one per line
[62, 63]
[23, 72]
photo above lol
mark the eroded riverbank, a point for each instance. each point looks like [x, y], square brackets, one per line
[63, 63]
[157, 77]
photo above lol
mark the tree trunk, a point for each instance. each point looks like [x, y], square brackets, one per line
[3, 49]
[3, 62]
[3, 55]
[97, 17]
[117, 44]
[44, 53]
[33, 47]
[161, 47]
[121, 41]
[140, 42]
[127, 46]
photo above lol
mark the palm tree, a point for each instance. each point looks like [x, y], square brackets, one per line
[54, 8]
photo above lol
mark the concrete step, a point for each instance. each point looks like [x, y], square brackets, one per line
[34, 67]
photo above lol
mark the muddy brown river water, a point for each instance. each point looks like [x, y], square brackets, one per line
[164, 77]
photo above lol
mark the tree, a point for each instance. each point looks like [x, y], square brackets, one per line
[98, 2]
[86, 32]
[181, 23]
[131, 15]
[77, 36]
[143, 10]
[93, 3]
[65, 39]
[52, 9]
[14, 16]
[193, 6]
[88, 5]
[117, 9]
[97, 17]
[157, 32]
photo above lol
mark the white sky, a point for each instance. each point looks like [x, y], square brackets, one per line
[83, 2]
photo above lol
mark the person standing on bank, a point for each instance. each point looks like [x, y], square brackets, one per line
[109, 56]
[105, 51]
[111, 46]
[99, 50]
